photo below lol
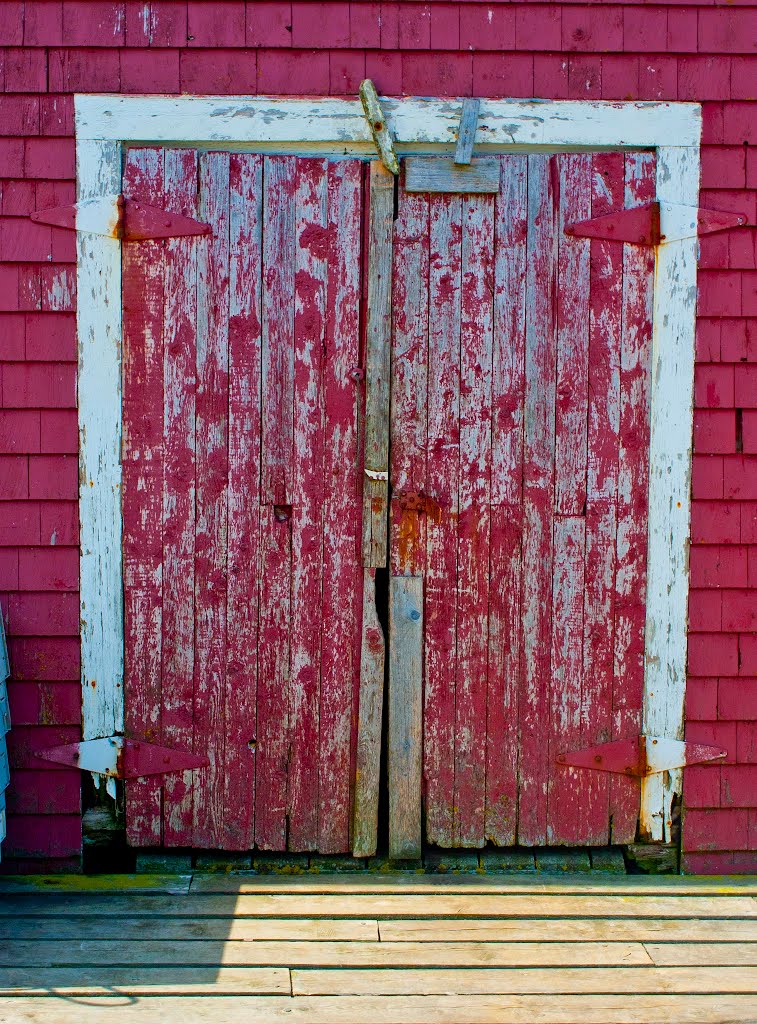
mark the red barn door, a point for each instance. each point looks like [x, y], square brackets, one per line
[242, 499]
[519, 465]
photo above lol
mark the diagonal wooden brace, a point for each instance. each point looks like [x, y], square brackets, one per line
[374, 115]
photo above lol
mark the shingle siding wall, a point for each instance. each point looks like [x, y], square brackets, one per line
[637, 50]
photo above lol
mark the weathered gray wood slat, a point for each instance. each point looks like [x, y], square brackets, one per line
[153, 952]
[407, 1009]
[440, 174]
[405, 715]
[153, 981]
[609, 980]
[368, 763]
[374, 115]
[467, 132]
[43, 891]
[84, 980]
[181, 929]
[377, 362]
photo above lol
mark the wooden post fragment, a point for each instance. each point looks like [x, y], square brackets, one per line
[467, 131]
[367, 774]
[405, 717]
[374, 115]
[440, 174]
[376, 477]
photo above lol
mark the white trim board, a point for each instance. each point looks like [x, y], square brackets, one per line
[105, 123]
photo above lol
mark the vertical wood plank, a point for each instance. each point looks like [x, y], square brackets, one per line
[143, 493]
[601, 487]
[307, 496]
[572, 338]
[672, 384]
[277, 425]
[211, 498]
[273, 722]
[245, 258]
[404, 748]
[278, 329]
[377, 363]
[445, 269]
[633, 491]
[474, 496]
[342, 465]
[505, 631]
[566, 788]
[504, 673]
[409, 381]
[368, 760]
[179, 370]
[99, 390]
[538, 489]
[565, 793]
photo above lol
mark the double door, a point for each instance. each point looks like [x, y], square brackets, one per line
[370, 432]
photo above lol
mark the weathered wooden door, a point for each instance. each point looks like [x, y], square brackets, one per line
[519, 466]
[242, 498]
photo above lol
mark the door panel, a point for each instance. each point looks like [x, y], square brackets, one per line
[519, 439]
[242, 499]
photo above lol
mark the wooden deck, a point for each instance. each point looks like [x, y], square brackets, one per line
[399, 949]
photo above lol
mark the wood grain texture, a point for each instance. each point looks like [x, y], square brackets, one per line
[370, 711]
[505, 556]
[343, 463]
[410, 310]
[154, 981]
[439, 174]
[468, 1009]
[632, 494]
[605, 328]
[244, 541]
[308, 522]
[404, 742]
[538, 487]
[179, 387]
[466, 135]
[568, 707]
[265, 953]
[211, 511]
[474, 498]
[100, 382]
[142, 461]
[277, 356]
[670, 446]
[443, 429]
[377, 364]
[541, 981]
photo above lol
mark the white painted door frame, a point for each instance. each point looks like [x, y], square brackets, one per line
[104, 124]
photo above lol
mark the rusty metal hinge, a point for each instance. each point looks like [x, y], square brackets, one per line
[118, 216]
[641, 756]
[119, 758]
[656, 223]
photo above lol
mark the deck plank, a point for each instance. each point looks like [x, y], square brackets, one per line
[565, 929]
[468, 1009]
[505, 981]
[24, 953]
[412, 905]
[370, 882]
[219, 929]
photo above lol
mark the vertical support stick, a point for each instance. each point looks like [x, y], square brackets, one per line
[467, 131]
[375, 481]
[405, 717]
[368, 766]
